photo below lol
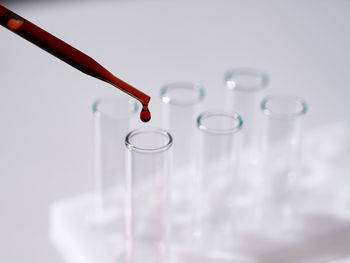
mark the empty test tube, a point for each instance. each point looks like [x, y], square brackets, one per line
[217, 160]
[283, 117]
[282, 130]
[112, 116]
[147, 224]
[245, 88]
[181, 104]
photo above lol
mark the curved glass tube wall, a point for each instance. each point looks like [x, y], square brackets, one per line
[111, 116]
[147, 223]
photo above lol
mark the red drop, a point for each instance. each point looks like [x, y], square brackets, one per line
[145, 115]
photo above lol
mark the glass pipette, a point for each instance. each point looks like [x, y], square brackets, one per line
[70, 55]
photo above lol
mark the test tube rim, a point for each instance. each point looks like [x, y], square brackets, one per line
[268, 112]
[264, 79]
[207, 114]
[131, 147]
[98, 113]
[175, 85]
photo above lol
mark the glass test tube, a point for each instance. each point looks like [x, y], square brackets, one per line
[217, 159]
[112, 117]
[148, 163]
[245, 88]
[181, 106]
[283, 116]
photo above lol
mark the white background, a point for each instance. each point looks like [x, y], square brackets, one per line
[45, 110]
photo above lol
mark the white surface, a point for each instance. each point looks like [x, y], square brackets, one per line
[80, 240]
[45, 113]
[321, 234]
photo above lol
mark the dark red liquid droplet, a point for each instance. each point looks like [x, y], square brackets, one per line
[145, 115]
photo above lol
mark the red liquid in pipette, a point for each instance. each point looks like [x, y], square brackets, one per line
[70, 55]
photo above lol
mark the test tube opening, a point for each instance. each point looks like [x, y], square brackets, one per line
[182, 94]
[283, 106]
[246, 79]
[219, 123]
[148, 140]
[116, 108]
